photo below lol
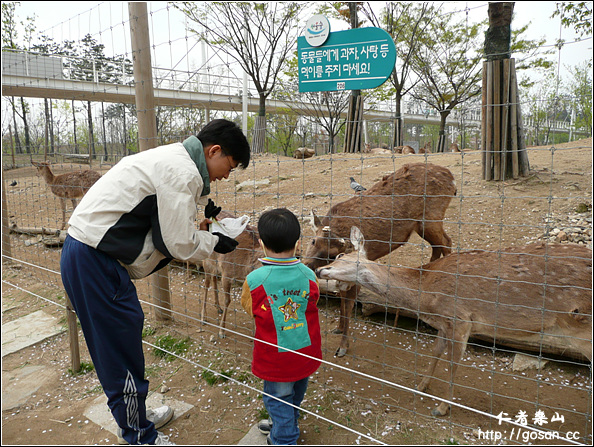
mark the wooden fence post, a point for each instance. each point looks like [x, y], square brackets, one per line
[72, 335]
[147, 127]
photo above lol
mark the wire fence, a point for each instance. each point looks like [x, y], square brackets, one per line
[370, 394]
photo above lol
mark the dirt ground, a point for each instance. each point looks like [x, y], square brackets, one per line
[368, 390]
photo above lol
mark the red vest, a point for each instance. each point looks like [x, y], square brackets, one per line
[284, 304]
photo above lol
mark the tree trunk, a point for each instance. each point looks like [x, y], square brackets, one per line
[355, 114]
[74, 126]
[104, 133]
[17, 140]
[125, 136]
[46, 112]
[398, 125]
[442, 142]
[498, 36]
[354, 123]
[259, 136]
[91, 132]
[26, 127]
[504, 150]
[51, 128]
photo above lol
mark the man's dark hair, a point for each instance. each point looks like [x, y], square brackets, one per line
[279, 229]
[230, 137]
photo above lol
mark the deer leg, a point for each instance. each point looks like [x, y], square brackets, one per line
[434, 233]
[348, 300]
[340, 328]
[438, 350]
[63, 203]
[216, 293]
[203, 311]
[457, 348]
[227, 292]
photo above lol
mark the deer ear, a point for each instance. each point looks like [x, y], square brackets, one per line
[357, 239]
[315, 221]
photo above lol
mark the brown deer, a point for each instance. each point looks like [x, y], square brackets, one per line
[229, 267]
[412, 199]
[426, 149]
[537, 293]
[71, 185]
[304, 152]
[404, 150]
[376, 150]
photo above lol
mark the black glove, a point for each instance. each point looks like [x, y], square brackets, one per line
[211, 210]
[225, 244]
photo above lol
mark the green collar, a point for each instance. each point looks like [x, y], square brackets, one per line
[194, 147]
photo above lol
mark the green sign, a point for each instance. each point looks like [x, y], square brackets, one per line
[354, 59]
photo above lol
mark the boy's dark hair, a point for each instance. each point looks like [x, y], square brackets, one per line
[230, 137]
[279, 229]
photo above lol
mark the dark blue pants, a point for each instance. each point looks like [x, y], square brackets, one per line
[106, 303]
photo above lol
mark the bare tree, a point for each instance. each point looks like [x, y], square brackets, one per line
[448, 64]
[259, 36]
[327, 107]
[406, 23]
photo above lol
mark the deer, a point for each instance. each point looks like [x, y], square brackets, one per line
[71, 185]
[537, 293]
[376, 150]
[426, 149]
[304, 152]
[404, 150]
[230, 267]
[412, 199]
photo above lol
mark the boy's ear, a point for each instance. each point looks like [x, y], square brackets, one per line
[212, 150]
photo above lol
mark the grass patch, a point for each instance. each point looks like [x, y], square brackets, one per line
[582, 208]
[212, 378]
[84, 368]
[169, 345]
[147, 331]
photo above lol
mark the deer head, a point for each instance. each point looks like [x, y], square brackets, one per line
[325, 246]
[348, 268]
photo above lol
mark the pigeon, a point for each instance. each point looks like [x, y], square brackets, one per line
[356, 186]
[14, 183]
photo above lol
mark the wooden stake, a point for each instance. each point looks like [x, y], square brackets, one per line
[505, 118]
[496, 103]
[147, 127]
[489, 124]
[72, 335]
[514, 119]
[484, 118]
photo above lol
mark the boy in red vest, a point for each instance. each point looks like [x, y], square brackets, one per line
[282, 297]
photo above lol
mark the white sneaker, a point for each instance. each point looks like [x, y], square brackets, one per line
[163, 439]
[159, 416]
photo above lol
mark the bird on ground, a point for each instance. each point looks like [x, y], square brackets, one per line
[356, 186]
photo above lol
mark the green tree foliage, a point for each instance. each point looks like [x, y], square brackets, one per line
[580, 92]
[259, 36]
[448, 64]
[575, 15]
